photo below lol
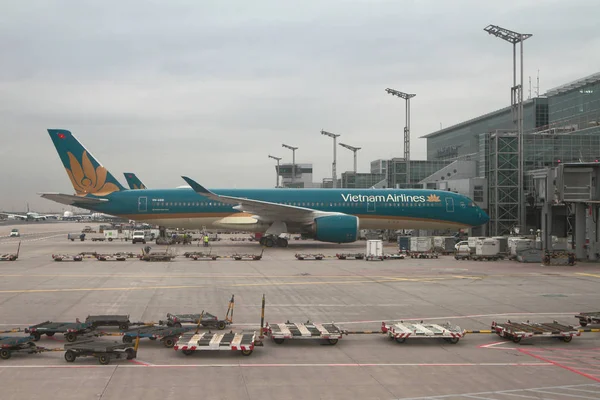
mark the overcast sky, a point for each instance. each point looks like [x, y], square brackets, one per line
[210, 89]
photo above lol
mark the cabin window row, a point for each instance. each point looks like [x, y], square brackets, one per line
[298, 204]
[189, 204]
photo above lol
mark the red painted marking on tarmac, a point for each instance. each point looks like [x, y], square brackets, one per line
[577, 371]
[142, 363]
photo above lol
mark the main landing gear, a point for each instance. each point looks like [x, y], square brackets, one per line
[271, 241]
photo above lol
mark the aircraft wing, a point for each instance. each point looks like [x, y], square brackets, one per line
[263, 209]
[70, 199]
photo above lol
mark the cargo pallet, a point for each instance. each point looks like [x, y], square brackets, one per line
[402, 331]
[102, 350]
[67, 257]
[10, 345]
[414, 254]
[352, 256]
[295, 330]
[122, 321]
[191, 342]
[11, 256]
[205, 319]
[310, 256]
[248, 257]
[70, 329]
[516, 331]
[588, 318]
[167, 335]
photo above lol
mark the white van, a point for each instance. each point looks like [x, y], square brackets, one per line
[139, 236]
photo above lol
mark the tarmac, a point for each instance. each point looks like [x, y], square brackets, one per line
[355, 294]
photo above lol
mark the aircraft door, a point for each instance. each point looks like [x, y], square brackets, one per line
[142, 204]
[371, 207]
[449, 204]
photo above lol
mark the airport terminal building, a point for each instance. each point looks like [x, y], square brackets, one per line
[481, 154]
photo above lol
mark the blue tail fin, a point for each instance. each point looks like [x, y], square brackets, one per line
[133, 181]
[87, 175]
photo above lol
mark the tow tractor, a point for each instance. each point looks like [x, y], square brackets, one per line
[205, 319]
[70, 329]
[588, 318]
[401, 331]
[516, 331]
[11, 256]
[296, 330]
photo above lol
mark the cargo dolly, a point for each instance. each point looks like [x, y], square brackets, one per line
[205, 319]
[192, 341]
[200, 256]
[295, 330]
[10, 345]
[67, 257]
[588, 318]
[114, 257]
[11, 256]
[310, 256]
[104, 351]
[516, 331]
[352, 256]
[167, 335]
[122, 321]
[395, 256]
[70, 329]
[248, 257]
[402, 331]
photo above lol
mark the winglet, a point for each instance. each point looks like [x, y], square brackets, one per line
[198, 188]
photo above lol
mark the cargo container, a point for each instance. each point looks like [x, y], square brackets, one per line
[487, 249]
[404, 243]
[520, 245]
[422, 247]
[374, 250]
[444, 244]
[503, 242]
[473, 242]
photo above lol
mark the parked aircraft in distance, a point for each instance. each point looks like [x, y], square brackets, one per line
[328, 215]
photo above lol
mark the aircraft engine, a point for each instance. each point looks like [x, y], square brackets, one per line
[336, 228]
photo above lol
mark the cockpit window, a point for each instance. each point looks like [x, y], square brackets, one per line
[471, 204]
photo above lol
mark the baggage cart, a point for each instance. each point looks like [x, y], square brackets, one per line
[115, 256]
[10, 345]
[402, 330]
[205, 319]
[149, 255]
[167, 335]
[191, 342]
[352, 256]
[396, 256]
[122, 321]
[310, 256]
[295, 330]
[67, 257]
[104, 351]
[516, 331]
[70, 329]
[588, 318]
[200, 256]
[11, 256]
[248, 257]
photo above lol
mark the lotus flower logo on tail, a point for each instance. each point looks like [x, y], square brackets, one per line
[88, 180]
[433, 198]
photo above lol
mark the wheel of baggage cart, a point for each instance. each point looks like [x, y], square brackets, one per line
[278, 340]
[110, 239]
[453, 340]
[300, 258]
[332, 341]
[246, 352]
[567, 339]
[214, 258]
[124, 326]
[176, 325]
[5, 354]
[36, 336]
[187, 352]
[516, 339]
[104, 359]
[400, 340]
[50, 334]
[130, 354]
[169, 341]
[127, 339]
[583, 323]
[318, 258]
[71, 337]
[70, 356]
[221, 325]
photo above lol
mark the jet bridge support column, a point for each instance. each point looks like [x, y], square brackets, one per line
[593, 234]
[580, 211]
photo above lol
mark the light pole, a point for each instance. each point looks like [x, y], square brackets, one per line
[516, 102]
[293, 149]
[352, 149]
[407, 97]
[277, 177]
[333, 172]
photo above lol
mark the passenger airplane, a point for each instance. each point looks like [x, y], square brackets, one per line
[328, 215]
[133, 181]
[29, 216]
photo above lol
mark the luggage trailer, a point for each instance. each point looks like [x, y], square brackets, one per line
[122, 321]
[67, 257]
[295, 330]
[401, 331]
[11, 256]
[167, 335]
[192, 342]
[70, 329]
[516, 331]
[318, 257]
[10, 345]
[104, 351]
[205, 319]
[588, 318]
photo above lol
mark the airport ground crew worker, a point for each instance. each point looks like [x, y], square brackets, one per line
[206, 241]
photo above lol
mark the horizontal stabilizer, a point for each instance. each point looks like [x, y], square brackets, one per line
[71, 200]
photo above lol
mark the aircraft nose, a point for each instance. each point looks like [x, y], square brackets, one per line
[483, 217]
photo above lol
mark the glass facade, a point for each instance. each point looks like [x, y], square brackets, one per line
[419, 170]
[352, 180]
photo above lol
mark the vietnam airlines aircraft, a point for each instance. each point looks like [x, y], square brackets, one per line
[328, 215]
[133, 181]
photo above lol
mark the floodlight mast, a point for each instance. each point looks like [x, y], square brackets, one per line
[333, 167]
[277, 176]
[516, 106]
[407, 97]
[352, 149]
[293, 149]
